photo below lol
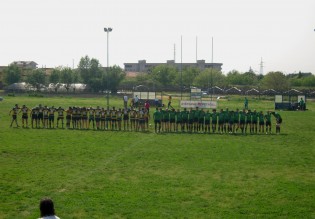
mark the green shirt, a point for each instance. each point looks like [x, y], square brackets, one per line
[208, 116]
[214, 117]
[157, 115]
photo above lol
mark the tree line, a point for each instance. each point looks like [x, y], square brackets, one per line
[98, 78]
[168, 76]
[89, 72]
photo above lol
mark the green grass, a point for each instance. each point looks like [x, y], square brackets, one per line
[110, 174]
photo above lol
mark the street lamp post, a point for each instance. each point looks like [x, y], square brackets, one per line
[107, 30]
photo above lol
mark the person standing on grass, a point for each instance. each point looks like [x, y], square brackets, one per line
[47, 209]
[246, 103]
[236, 124]
[97, 117]
[91, 113]
[268, 122]
[125, 101]
[13, 112]
[157, 116]
[184, 115]
[60, 116]
[207, 121]
[169, 102]
[34, 116]
[51, 117]
[45, 116]
[242, 120]
[261, 119]
[24, 110]
[179, 120]
[68, 117]
[214, 120]
[278, 121]
[248, 121]
[147, 105]
[126, 119]
[254, 121]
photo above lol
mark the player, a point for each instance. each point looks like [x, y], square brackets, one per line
[40, 115]
[146, 118]
[248, 121]
[172, 120]
[34, 116]
[196, 120]
[207, 121]
[45, 116]
[185, 118]
[132, 115]
[157, 116]
[231, 122]
[84, 117]
[261, 119]
[91, 113]
[60, 116]
[119, 118]
[254, 121]
[51, 117]
[98, 117]
[13, 112]
[179, 121]
[114, 118]
[268, 122]
[214, 120]
[242, 120]
[126, 119]
[68, 117]
[221, 117]
[278, 121]
[24, 110]
[141, 120]
[201, 121]
[166, 119]
[236, 124]
[105, 118]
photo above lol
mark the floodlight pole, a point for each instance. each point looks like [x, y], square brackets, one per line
[107, 30]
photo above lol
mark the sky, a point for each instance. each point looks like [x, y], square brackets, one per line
[59, 32]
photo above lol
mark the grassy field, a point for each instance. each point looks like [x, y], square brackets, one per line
[110, 174]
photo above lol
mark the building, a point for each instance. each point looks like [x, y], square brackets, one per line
[143, 66]
[25, 64]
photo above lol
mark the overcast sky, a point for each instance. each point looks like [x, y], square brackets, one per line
[60, 32]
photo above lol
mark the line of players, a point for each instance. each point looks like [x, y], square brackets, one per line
[165, 120]
[83, 118]
[201, 121]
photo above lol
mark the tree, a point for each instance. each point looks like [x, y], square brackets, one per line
[112, 77]
[12, 74]
[67, 77]
[209, 78]
[164, 75]
[275, 80]
[55, 76]
[36, 78]
[188, 76]
[89, 69]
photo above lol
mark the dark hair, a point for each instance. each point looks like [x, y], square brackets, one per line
[46, 207]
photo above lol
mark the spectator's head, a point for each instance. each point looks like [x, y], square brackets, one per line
[46, 207]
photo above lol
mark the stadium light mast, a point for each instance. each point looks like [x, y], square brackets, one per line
[108, 30]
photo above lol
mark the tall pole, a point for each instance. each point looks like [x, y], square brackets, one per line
[181, 67]
[196, 49]
[211, 67]
[107, 30]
